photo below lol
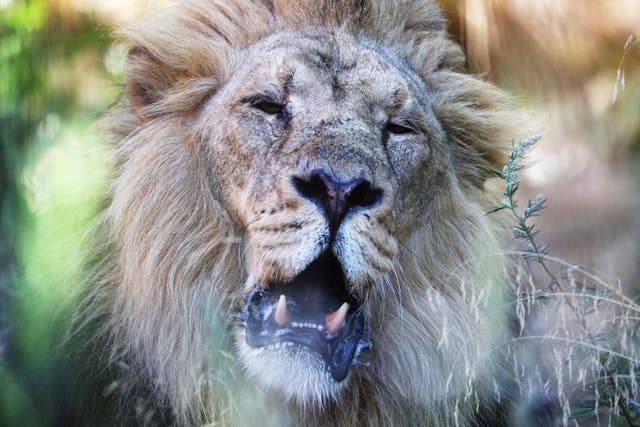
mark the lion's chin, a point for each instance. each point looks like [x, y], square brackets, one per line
[294, 372]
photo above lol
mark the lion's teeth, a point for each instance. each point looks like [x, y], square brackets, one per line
[282, 313]
[335, 320]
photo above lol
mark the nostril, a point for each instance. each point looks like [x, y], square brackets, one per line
[314, 188]
[337, 198]
[362, 194]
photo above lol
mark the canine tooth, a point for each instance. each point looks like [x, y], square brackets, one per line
[335, 320]
[282, 314]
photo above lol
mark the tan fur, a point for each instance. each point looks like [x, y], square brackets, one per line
[202, 209]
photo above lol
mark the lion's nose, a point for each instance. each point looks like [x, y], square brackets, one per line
[337, 198]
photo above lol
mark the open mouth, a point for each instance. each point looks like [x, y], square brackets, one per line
[314, 311]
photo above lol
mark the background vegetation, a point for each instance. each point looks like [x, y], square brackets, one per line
[59, 70]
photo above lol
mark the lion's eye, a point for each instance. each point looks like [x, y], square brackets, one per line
[398, 129]
[266, 106]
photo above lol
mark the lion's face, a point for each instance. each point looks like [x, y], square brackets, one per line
[340, 157]
[316, 171]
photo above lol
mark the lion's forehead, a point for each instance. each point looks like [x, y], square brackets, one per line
[330, 67]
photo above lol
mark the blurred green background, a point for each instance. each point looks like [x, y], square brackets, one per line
[60, 71]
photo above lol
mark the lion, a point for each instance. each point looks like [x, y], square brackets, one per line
[295, 228]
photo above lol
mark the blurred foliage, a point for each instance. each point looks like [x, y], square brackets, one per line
[52, 88]
[563, 57]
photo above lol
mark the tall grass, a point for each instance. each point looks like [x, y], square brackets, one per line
[583, 328]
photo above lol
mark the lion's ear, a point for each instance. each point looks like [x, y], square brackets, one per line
[146, 80]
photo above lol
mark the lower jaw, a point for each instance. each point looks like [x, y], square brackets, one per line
[291, 372]
[337, 344]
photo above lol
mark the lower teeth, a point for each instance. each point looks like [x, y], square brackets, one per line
[307, 325]
[280, 345]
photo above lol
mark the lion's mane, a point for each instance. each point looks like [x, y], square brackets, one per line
[169, 261]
